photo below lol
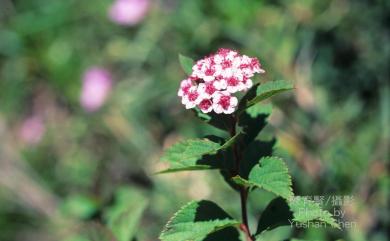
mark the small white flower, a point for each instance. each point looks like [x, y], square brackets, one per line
[236, 62]
[245, 59]
[207, 89]
[227, 73]
[206, 105]
[218, 59]
[233, 84]
[248, 83]
[247, 72]
[192, 98]
[223, 102]
[185, 85]
[231, 55]
[220, 83]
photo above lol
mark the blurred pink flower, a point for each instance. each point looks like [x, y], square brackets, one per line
[97, 83]
[32, 129]
[128, 12]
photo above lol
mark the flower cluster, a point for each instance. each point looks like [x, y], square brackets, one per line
[216, 78]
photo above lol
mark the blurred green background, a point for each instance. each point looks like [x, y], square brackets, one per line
[64, 170]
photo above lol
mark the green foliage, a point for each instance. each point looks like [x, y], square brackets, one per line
[121, 218]
[270, 174]
[277, 234]
[124, 216]
[256, 110]
[96, 232]
[189, 155]
[282, 212]
[333, 132]
[276, 214]
[252, 121]
[186, 64]
[268, 89]
[195, 154]
[306, 210]
[253, 153]
[226, 234]
[195, 221]
[79, 206]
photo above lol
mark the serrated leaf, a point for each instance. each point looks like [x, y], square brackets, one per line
[196, 154]
[276, 214]
[188, 154]
[282, 212]
[270, 174]
[124, 216]
[186, 64]
[305, 210]
[268, 89]
[227, 234]
[254, 152]
[195, 221]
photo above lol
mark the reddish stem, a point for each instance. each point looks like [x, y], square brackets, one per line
[243, 190]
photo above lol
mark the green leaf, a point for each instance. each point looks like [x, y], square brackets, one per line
[256, 110]
[189, 155]
[252, 121]
[226, 234]
[249, 95]
[272, 175]
[277, 234]
[268, 89]
[305, 210]
[80, 206]
[254, 152]
[196, 221]
[276, 214]
[282, 212]
[196, 154]
[124, 216]
[186, 63]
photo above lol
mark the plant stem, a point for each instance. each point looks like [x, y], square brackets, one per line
[243, 196]
[243, 190]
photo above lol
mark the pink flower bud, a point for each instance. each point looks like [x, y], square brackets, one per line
[97, 83]
[128, 12]
[32, 129]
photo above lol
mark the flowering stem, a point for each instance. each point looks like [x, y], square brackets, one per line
[243, 190]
